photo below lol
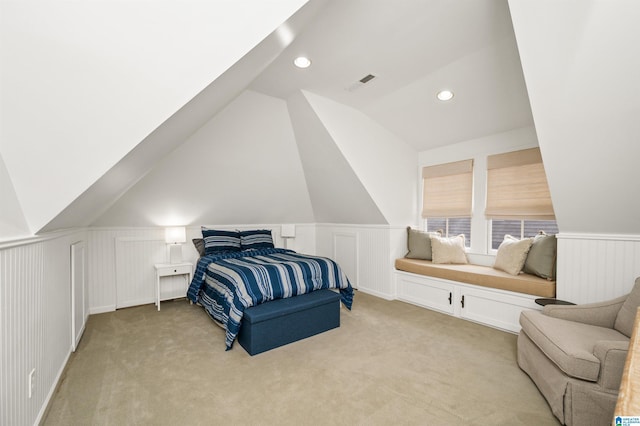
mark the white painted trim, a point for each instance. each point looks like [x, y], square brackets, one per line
[54, 387]
[352, 225]
[102, 309]
[379, 294]
[78, 329]
[39, 238]
[600, 237]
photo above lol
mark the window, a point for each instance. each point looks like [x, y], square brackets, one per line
[517, 187]
[519, 229]
[518, 198]
[447, 198]
[451, 227]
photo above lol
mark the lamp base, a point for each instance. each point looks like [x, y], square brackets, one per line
[175, 253]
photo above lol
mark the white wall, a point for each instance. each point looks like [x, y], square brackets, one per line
[91, 80]
[35, 322]
[12, 221]
[366, 254]
[337, 194]
[383, 162]
[581, 69]
[582, 80]
[240, 167]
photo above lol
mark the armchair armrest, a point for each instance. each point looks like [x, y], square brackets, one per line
[602, 314]
[612, 355]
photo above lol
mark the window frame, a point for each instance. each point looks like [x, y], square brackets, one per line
[467, 238]
[491, 250]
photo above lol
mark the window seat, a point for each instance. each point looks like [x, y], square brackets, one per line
[484, 276]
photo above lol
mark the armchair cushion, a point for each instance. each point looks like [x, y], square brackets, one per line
[568, 344]
[627, 314]
[612, 356]
[602, 314]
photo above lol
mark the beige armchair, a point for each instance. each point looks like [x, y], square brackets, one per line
[576, 355]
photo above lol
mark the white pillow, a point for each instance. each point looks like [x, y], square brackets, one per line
[512, 254]
[448, 250]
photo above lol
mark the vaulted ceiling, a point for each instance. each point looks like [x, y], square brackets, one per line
[414, 48]
[105, 103]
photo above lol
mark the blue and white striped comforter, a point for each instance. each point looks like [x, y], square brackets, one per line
[225, 284]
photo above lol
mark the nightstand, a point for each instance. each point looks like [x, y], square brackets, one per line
[171, 270]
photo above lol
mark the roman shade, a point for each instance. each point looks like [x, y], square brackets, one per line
[448, 189]
[517, 187]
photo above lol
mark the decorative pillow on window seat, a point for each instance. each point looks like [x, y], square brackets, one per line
[541, 260]
[512, 254]
[419, 244]
[448, 250]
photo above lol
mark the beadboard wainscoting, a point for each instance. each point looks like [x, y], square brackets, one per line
[122, 273]
[35, 322]
[365, 253]
[593, 268]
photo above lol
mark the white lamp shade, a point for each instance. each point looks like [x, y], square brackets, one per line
[288, 231]
[176, 234]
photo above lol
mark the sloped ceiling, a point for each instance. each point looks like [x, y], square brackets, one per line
[12, 222]
[384, 164]
[337, 195]
[240, 167]
[84, 83]
[581, 66]
[78, 139]
[266, 160]
[358, 147]
[414, 48]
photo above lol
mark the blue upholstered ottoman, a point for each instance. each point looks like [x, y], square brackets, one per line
[284, 321]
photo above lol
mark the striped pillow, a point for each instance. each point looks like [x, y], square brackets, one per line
[256, 239]
[216, 241]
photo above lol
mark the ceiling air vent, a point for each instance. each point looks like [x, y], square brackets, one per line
[358, 84]
[367, 78]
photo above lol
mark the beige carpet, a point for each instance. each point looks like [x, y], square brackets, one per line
[388, 363]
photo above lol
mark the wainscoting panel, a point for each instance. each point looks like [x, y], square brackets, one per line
[78, 292]
[22, 277]
[345, 252]
[593, 268]
[373, 255]
[35, 323]
[121, 271]
[102, 271]
[135, 273]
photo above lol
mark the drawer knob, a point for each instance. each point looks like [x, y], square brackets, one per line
[175, 270]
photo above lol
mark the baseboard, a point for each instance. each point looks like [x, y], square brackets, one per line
[45, 405]
[102, 309]
[377, 294]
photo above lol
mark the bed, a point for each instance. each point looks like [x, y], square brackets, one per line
[242, 269]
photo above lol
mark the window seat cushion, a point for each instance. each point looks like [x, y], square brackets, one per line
[484, 276]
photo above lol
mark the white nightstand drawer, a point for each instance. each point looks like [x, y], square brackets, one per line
[165, 270]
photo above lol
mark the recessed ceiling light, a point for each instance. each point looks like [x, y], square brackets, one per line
[445, 95]
[302, 62]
